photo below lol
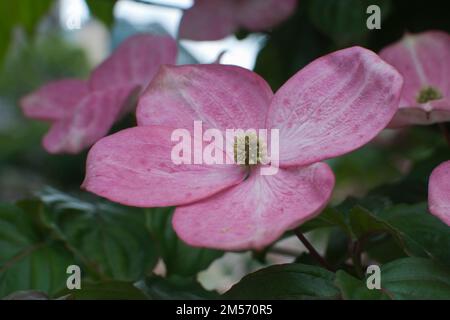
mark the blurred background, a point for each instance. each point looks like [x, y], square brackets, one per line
[44, 40]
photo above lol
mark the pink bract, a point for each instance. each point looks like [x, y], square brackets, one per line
[216, 19]
[334, 105]
[81, 112]
[424, 61]
[439, 192]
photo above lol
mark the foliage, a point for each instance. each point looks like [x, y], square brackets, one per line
[25, 14]
[103, 10]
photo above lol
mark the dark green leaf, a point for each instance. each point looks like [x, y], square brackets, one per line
[158, 288]
[103, 10]
[329, 217]
[341, 216]
[27, 295]
[383, 249]
[355, 289]
[362, 222]
[288, 281]
[353, 176]
[336, 252]
[416, 231]
[419, 232]
[415, 278]
[109, 239]
[406, 278]
[344, 21]
[426, 149]
[290, 47]
[111, 290]
[179, 258]
[30, 259]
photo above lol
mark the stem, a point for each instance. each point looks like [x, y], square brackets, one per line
[357, 250]
[160, 4]
[284, 252]
[356, 258]
[312, 251]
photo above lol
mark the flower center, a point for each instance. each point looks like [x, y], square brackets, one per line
[248, 149]
[428, 94]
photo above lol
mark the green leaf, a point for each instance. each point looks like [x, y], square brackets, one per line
[416, 231]
[27, 295]
[337, 250]
[329, 217]
[30, 258]
[352, 175]
[356, 289]
[110, 290]
[287, 281]
[415, 278]
[426, 149]
[110, 240]
[362, 222]
[283, 55]
[179, 258]
[384, 249]
[344, 21]
[103, 10]
[341, 216]
[419, 232]
[174, 288]
[406, 278]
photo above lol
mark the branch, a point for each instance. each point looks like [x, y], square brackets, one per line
[284, 251]
[313, 251]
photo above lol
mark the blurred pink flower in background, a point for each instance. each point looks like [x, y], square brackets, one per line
[439, 192]
[83, 111]
[334, 105]
[216, 19]
[424, 61]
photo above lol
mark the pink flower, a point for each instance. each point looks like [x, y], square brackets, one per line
[216, 19]
[424, 62]
[83, 111]
[334, 105]
[439, 192]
